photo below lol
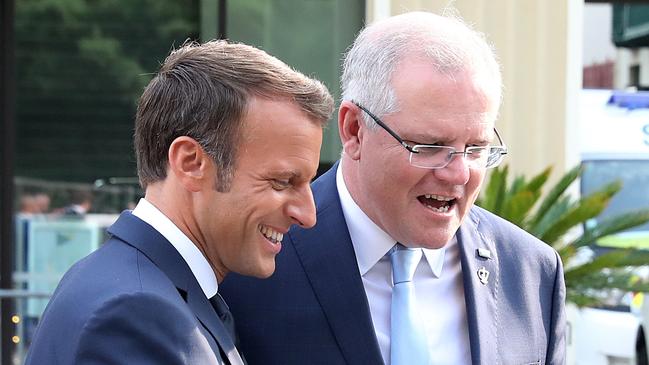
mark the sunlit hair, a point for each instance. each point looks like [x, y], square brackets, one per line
[449, 44]
[203, 92]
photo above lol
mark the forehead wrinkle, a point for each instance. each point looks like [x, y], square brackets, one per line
[473, 119]
[441, 136]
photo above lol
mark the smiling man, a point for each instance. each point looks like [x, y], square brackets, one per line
[401, 267]
[227, 140]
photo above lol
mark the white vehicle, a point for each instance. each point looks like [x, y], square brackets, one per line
[614, 145]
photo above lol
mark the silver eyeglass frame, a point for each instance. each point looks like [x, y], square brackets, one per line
[494, 159]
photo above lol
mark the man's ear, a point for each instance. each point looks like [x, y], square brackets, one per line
[351, 129]
[189, 163]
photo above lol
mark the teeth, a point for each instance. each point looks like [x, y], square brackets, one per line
[271, 234]
[438, 197]
[445, 199]
[443, 209]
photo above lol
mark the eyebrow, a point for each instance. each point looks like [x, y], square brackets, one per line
[417, 138]
[441, 141]
[292, 174]
[287, 173]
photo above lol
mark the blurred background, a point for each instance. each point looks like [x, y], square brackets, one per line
[71, 72]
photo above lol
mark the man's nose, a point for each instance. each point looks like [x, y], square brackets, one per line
[457, 171]
[302, 209]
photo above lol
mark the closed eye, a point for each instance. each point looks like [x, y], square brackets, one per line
[280, 184]
[478, 149]
[413, 143]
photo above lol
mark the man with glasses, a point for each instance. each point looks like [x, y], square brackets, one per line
[401, 267]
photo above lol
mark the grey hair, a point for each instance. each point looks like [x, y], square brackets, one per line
[447, 41]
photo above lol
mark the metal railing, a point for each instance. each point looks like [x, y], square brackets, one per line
[21, 324]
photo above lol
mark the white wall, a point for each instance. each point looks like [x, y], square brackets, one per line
[598, 46]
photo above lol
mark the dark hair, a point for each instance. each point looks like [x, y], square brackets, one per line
[202, 91]
[80, 196]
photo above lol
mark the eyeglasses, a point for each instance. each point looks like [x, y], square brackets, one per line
[437, 157]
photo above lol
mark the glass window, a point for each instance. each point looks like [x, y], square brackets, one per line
[634, 175]
[310, 35]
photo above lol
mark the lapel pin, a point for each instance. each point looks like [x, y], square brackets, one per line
[484, 253]
[483, 275]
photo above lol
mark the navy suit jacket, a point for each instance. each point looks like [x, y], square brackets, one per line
[133, 301]
[314, 310]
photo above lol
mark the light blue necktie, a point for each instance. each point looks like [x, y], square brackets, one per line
[408, 344]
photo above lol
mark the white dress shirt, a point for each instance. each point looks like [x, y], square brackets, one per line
[440, 298]
[185, 247]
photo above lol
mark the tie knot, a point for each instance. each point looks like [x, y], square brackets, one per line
[219, 305]
[404, 263]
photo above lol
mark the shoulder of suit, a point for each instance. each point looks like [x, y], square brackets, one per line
[508, 236]
[138, 322]
[114, 269]
[139, 306]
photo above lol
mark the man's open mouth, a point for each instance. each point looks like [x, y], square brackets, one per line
[271, 234]
[437, 203]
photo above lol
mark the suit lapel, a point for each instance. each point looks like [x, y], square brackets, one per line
[329, 261]
[152, 244]
[479, 290]
[206, 315]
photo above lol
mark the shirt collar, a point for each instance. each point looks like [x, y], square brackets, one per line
[370, 242]
[199, 266]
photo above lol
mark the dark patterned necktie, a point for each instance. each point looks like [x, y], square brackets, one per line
[225, 315]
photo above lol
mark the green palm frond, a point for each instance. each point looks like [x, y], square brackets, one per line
[596, 287]
[597, 283]
[582, 300]
[518, 206]
[524, 196]
[611, 226]
[495, 190]
[608, 260]
[552, 215]
[557, 191]
[587, 208]
[517, 185]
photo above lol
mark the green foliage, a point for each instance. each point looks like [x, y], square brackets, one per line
[554, 218]
[80, 66]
